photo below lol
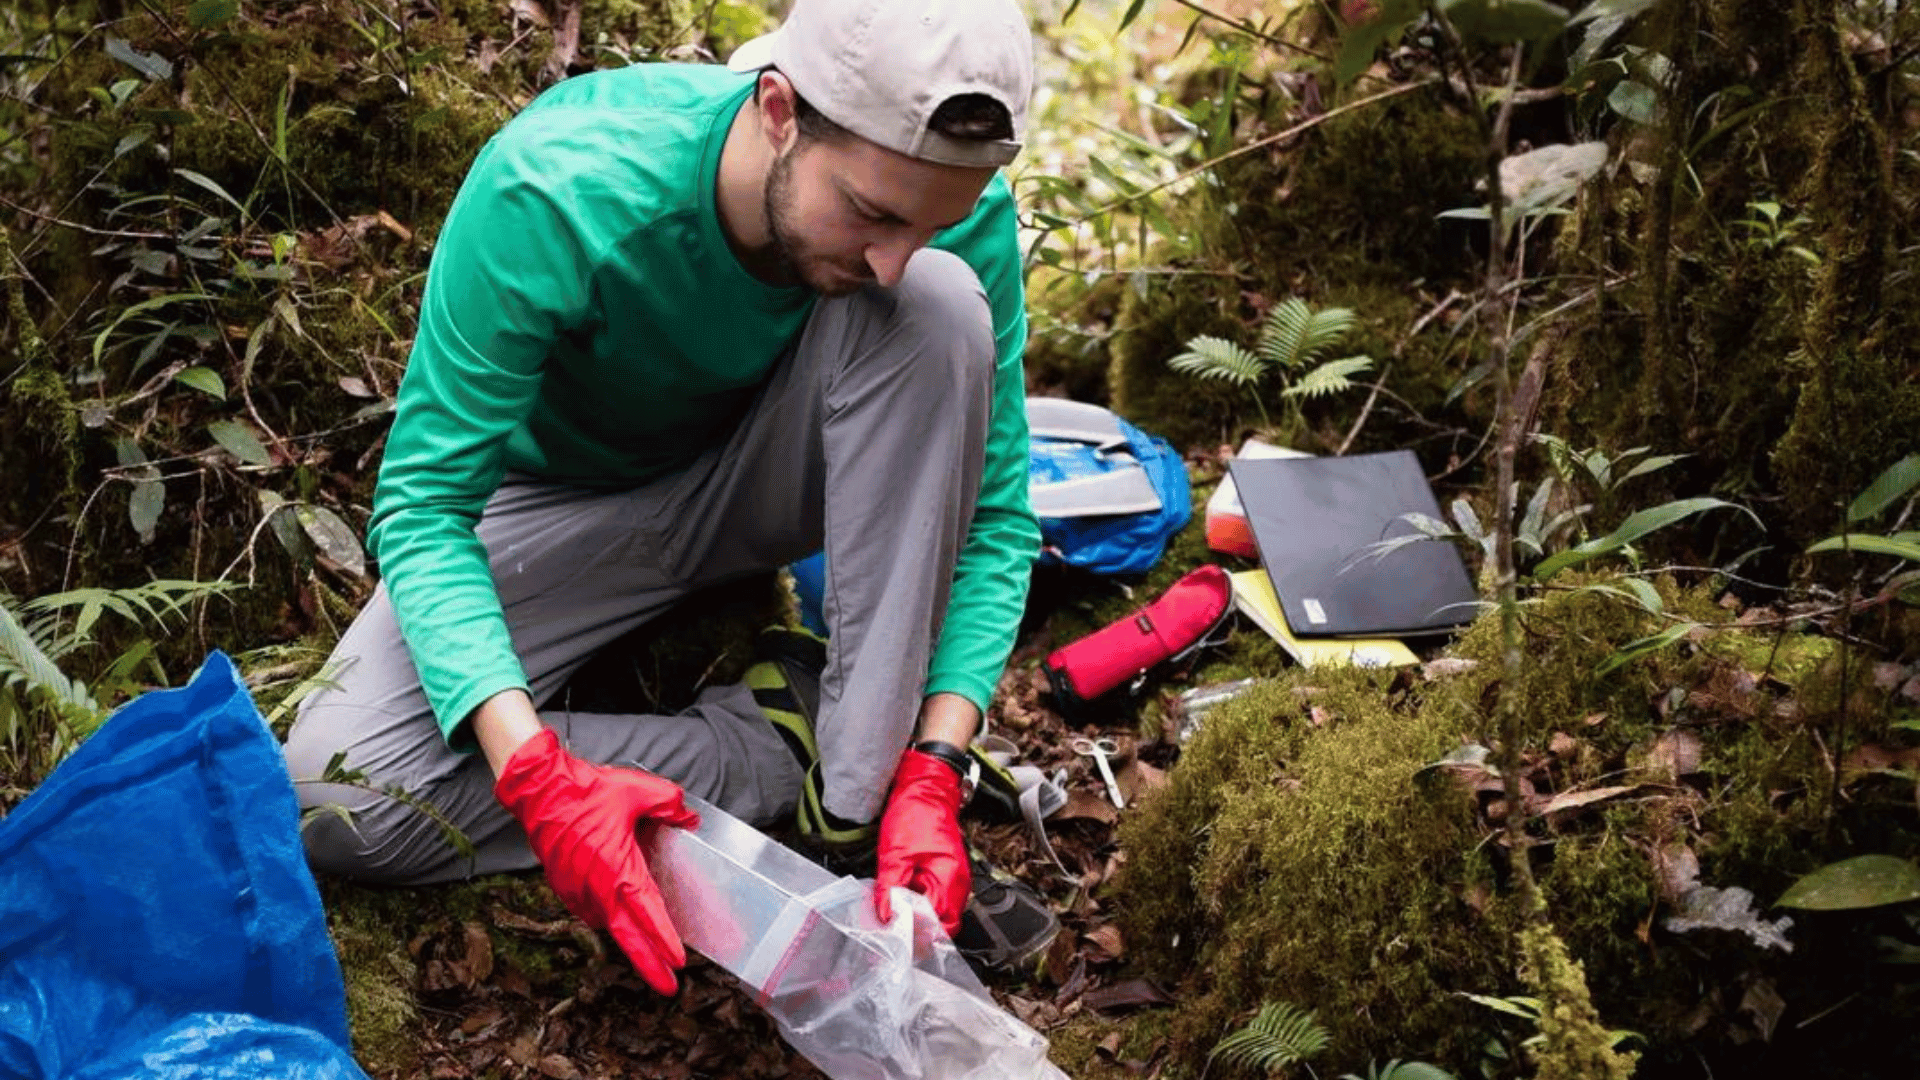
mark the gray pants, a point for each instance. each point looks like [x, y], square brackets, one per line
[868, 439]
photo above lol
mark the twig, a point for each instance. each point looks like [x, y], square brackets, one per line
[1365, 411]
[1253, 31]
[1258, 144]
[1437, 310]
[117, 234]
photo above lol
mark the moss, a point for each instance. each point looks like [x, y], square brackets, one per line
[1276, 863]
[1274, 866]
[50, 425]
[382, 1013]
[1858, 410]
[1575, 1045]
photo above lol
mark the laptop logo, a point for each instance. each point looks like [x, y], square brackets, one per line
[1315, 613]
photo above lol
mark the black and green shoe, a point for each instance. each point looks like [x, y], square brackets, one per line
[785, 681]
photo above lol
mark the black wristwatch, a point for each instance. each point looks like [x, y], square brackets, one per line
[956, 757]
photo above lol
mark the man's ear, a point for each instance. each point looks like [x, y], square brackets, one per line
[779, 114]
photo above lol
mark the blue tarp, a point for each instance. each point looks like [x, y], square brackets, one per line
[157, 918]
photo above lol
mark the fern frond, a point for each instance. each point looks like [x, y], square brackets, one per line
[1329, 378]
[1217, 358]
[1280, 1034]
[1295, 335]
[29, 660]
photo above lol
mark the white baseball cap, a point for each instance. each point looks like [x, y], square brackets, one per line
[879, 68]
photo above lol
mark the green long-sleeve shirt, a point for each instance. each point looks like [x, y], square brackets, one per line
[586, 322]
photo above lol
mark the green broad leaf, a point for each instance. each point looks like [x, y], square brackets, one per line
[1612, 9]
[1634, 650]
[1863, 881]
[1358, 44]
[1635, 591]
[286, 528]
[1505, 20]
[1634, 100]
[1870, 544]
[1132, 13]
[153, 67]
[1120, 184]
[238, 439]
[204, 379]
[131, 142]
[1644, 592]
[141, 308]
[144, 507]
[206, 14]
[207, 182]
[1652, 464]
[1630, 530]
[1890, 487]
[1357, 47]
[1468, 213]
[1467, 519]
[334, 537]
[149, 495]
[1525, 1007]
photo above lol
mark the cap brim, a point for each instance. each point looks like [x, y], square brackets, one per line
[755, 54]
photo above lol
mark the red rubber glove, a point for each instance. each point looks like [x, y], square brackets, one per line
[580, 818]
[920, 842]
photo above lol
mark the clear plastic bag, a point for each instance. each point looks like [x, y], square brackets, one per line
[860, 999]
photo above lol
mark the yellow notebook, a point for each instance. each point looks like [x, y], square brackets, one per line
[1253, 594]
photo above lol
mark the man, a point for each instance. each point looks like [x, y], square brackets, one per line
[686, 323]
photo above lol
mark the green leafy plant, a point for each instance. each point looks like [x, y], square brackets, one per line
[1770, 228]
[1294, 339]
[1893, 487]
[1497, 1056]
[1279, 1035]
[46, 709]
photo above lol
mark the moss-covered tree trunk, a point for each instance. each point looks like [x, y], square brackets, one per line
[1765, 267]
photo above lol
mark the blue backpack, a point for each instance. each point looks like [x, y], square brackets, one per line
[1108, 495]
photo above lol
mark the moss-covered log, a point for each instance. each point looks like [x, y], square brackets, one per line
[1312, 849]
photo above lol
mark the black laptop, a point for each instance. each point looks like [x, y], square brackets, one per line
[1315, 520]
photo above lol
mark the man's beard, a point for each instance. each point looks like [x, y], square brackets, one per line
[784, 259]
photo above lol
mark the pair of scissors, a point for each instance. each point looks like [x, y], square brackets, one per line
[1099, 750]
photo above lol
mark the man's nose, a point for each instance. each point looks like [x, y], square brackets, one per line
[888, 258]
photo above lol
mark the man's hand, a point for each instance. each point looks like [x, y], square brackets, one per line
[920, 842]
[580, 818]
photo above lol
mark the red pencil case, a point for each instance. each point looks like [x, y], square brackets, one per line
[1185, 618]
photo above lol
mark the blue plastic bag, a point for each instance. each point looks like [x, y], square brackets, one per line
[1112, 543]
[157, 917]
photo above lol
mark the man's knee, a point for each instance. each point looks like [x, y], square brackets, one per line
[941, 298]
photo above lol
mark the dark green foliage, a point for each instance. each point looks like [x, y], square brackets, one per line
[1317, 222]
